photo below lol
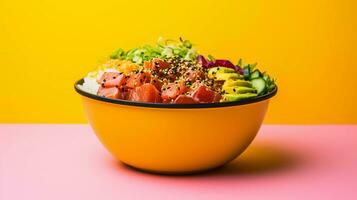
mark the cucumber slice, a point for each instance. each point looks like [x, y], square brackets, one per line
[256, 74]
[259, 84]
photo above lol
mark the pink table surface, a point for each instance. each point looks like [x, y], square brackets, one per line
[284, 162]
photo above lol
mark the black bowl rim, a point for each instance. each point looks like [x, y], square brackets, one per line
[175, 106]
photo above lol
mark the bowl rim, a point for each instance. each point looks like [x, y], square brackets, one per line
[174, 106]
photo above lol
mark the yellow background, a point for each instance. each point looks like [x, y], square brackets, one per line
[310, 46]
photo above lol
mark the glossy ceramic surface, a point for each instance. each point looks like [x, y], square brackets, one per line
[175, 140]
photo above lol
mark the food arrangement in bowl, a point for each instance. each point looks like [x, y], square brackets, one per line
[175, 73]
[166, 109]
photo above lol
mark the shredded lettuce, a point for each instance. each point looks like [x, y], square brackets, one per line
[162, 49]
[118, 54]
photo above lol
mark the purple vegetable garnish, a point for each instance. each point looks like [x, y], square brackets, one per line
[228, 64]
[224, 63]
[239, 70]
[202, 60]
[211, 64]
[216, 63]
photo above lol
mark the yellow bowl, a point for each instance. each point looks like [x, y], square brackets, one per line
[174, 138]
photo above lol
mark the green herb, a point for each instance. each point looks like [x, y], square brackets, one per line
[252, 66]
[211, 58]
[240, 62]
[118, 54]
[163, 49]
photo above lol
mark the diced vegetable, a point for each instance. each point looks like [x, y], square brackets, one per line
[256, 74]
[259, 84]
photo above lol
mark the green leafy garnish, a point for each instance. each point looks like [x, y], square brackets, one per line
[163, 49]
[240, 62]
[211, 58]
[118, 54]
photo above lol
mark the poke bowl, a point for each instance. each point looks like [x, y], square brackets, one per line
[166, 131]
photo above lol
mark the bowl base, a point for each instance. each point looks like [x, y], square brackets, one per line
[174, 173]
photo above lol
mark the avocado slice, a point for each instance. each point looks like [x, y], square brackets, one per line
[237, 97]
[231, 83]
[227, 76]
[239, 90]
[216, 70]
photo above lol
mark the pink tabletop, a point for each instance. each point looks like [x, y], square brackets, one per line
[67, 162]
